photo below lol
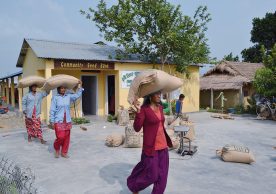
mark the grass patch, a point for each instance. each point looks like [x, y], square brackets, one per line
[8, 188]
[80, 120]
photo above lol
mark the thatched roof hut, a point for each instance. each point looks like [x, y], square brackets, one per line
[229, 75]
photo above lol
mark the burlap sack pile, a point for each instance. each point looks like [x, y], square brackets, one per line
[150, 81]
[232, 153]
[132, 138]
[56, 81]
[114, 140]
[31, 80]
[122, 116]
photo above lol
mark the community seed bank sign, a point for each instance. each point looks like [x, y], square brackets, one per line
[82, 65]
[127, 77]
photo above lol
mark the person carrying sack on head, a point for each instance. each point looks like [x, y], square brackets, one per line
[60, 118]
[154, 165]
[31, 105]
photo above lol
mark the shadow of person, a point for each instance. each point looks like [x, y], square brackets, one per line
[50, 146]
[119, 172]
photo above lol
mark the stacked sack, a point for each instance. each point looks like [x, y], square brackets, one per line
[122, 116]
[133, 139]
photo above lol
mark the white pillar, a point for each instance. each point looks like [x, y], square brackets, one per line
[241, 96]
[20, 94]
[212, 99]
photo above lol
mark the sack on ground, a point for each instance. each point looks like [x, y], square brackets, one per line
[232, 153]
[31, 80]
[56, 81]
[151, 81]
[132, 138]
[114, 140]
[123, 116]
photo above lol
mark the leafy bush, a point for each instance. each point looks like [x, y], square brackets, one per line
[80, 120]
[239, 109]
[110, 118]
[251, 108]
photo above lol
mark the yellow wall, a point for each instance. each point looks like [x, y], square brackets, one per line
[190, 88]
[45, 68]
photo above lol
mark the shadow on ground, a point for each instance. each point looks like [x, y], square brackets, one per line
[273, 158]
[110, 174]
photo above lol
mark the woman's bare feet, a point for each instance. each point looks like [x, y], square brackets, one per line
[56, 154]
[43, 141]
[64, 155]
[29, 139]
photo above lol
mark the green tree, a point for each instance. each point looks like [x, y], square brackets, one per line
[262, 33]
[155, 29]
[265, 78]
[230, 57]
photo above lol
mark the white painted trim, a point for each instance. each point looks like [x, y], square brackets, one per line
[97, 90]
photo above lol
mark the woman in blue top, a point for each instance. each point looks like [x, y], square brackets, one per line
[61, 120]
[31, 105]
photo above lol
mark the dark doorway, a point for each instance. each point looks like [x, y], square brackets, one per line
[111, 94]
[89, 96]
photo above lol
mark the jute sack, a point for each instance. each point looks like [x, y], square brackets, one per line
[56, 81]
[123, 116]
[132, 138]
[31, 80]
[173, 124]
[151, 81]
[232, 153]
[175, 142]
[114, 140]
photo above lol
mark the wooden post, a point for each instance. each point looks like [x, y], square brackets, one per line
[241, 96]
[8, 91]
[212, 99]
[20, 95]
[2, 88]
[12, 93]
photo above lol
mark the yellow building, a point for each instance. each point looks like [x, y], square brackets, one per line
[234, 79]
[106, 78]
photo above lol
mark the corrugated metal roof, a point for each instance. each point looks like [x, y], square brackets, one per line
[12, 75]
[77, 51]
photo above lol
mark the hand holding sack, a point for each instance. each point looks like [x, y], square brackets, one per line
[31, 80]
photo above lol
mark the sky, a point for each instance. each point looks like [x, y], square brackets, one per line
[60, 20]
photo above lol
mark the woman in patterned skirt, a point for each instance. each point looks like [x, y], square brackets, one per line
[60, 118]
[31, 105]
